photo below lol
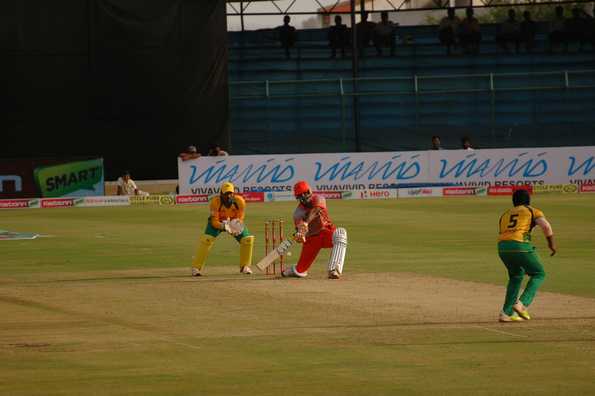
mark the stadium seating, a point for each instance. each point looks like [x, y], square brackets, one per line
[499, 99]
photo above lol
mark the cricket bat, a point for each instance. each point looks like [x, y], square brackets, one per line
[283, 246]
[274, 254]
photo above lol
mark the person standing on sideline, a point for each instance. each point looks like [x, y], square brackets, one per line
[466, 143]
[216, 151]
[315, 230]
[436, 145]
[227, 215]
[190, 153]
[518, 255]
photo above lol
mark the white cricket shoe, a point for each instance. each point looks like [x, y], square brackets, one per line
[334, 274]
[292, 273]
[196, 272]
[246, 270]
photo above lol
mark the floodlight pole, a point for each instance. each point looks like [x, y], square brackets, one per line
[354, 76]
[242, 14]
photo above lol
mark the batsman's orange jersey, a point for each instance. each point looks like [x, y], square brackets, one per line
[321, 221]
[220, 212]
[516, 223]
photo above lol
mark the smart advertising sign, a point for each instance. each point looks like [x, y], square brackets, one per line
[51, 178]
[388, 170]
[73, 179]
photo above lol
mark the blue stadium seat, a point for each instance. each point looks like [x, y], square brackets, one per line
[528, 106]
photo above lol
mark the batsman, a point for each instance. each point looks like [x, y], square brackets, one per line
[227, 211]
[315, 230]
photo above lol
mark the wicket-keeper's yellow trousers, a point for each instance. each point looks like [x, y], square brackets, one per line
[206, 242]
[246, 247]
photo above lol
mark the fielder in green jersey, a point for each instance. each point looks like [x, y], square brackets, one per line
[518, 255]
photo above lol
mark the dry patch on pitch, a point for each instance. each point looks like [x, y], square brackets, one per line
[169, 305]
[107, 311]
[405, 299]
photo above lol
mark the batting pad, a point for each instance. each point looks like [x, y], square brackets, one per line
[337, 258]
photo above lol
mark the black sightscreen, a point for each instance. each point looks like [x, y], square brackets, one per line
[132, 81]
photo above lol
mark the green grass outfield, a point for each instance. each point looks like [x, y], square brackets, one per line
[104, 304]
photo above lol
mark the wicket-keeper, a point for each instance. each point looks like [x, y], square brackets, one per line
[227, 212]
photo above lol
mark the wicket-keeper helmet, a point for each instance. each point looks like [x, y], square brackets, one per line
[300, 188]
[227, 187]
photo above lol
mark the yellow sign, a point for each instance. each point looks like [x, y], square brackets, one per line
[556, 188]
[152, 200]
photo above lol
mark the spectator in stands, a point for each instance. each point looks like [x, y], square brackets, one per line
[338, 38]
[470, 33]
[591, 19]
[287, 36]
[364, 31]
[384, 34]
[557, 34]
[466, 143]
[436, 143]
[217, 151]
[448, 29]
[590, 27]
[191, 152]
[127, 186]
[509, 32]
[528, 31]
[577, 29]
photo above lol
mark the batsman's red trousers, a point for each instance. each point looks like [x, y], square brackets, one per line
[312, 246]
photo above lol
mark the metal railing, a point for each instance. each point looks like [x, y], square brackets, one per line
[422, 99]
[414, 85]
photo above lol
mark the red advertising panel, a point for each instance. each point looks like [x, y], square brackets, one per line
[57, 202]
[253, 196]
[500, 190]
[587, 188]
[14, 203]
[191, 199]
[507, 190]
[458, 191]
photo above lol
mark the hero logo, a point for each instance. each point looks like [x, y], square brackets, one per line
[375, 194]
[380, 194]
[18, 182]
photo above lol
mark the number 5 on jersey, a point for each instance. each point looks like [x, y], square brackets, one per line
[513, 221]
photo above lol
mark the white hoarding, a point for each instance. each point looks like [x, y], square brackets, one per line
[387, 170]
[420, 192]
[108, 200]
